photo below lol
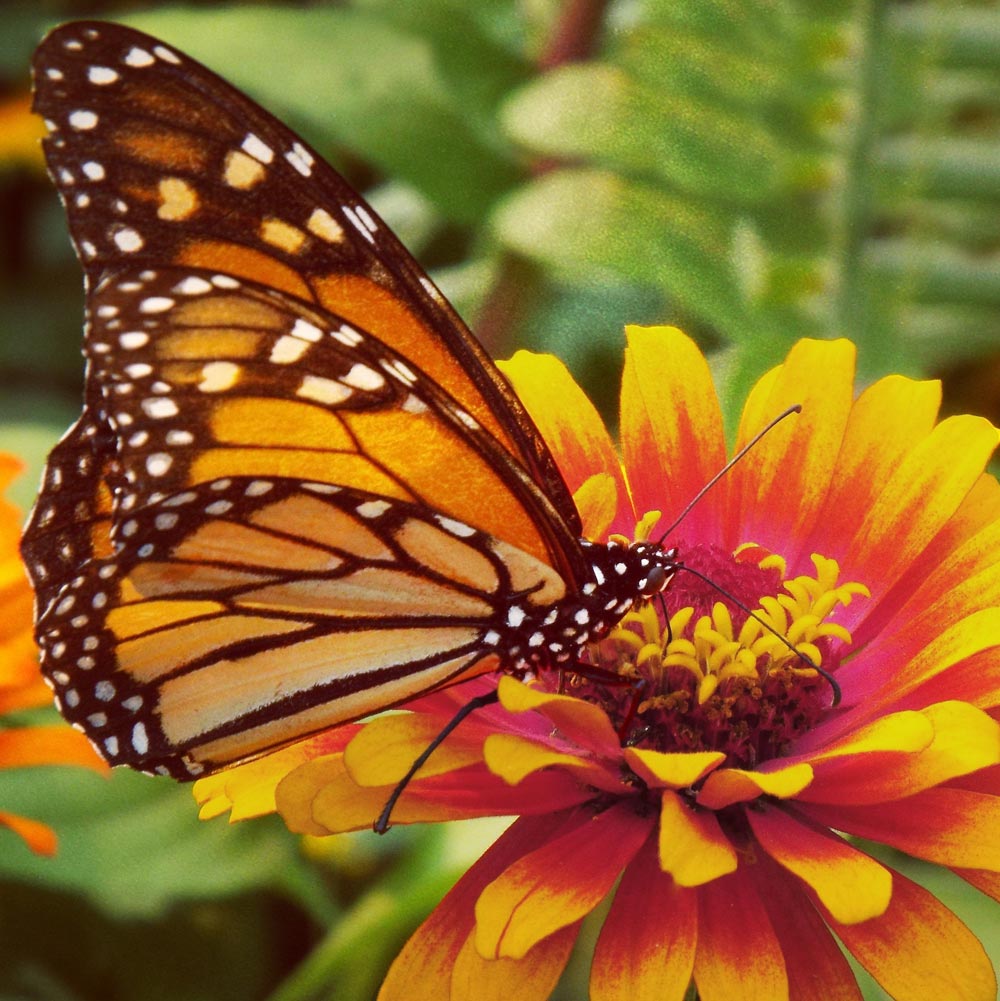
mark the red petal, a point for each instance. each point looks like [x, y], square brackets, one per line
[918, 949]
[815, 965]
[647, 945]
[851, 885]
[423, 970]
[739, 956]
[949, 826]
[558, 883]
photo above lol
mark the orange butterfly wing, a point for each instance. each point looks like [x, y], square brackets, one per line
[299, 491]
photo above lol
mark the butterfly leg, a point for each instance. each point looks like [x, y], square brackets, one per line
[381, 825]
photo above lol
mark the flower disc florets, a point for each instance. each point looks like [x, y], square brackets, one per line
[731, 668]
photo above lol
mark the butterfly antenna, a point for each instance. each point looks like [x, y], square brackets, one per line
[478, 702]
[796, 408]
[822, 671]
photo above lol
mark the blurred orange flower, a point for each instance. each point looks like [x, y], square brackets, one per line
[21, 684]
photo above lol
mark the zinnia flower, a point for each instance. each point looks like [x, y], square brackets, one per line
[21, 685]
[716, 794]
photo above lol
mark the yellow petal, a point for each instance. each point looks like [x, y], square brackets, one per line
[385, 749]
[513, 758]
[674, 770]
[597, 501]
[852, 886]
[777, 494]
[693, 848]
[726, 786]
[568, 421]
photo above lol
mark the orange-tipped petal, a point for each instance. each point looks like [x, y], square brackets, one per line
[961, 833]
[739, 957]
[559, 883]
[692, 845]
[886, 422]
[39, 837]
[777, 494]
[925, 490]
[671, 770]
[727, 786]
[919, 949]
[423, 969]
[671, 426]
[533, 977]
[852, 885]
[963, 740]
[568, 421]
[646, 948]
[815, 964]
[581, 722]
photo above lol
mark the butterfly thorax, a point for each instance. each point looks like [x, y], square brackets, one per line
[622, 575]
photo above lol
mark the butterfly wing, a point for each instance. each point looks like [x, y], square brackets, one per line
[160, 162]
[248, 611]
[253, 329]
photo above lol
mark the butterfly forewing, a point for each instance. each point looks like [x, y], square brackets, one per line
[159, 161]
[203, 375]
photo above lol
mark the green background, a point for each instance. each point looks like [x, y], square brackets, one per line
[753, 172]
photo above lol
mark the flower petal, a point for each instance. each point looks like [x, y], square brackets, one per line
[39, 837]
[568, 421]
[671, 426]
[676, 770]
[558, 883]
[852, 885]
[778, 493]
[48, 745]
[957, 837]
[596, 500]
[531, 978]
[739, 956]
[423, 969]
[925, 490]
[726, 786]
[919, 950]
[964, 740]
[646, 948]
[814, 962]
[384, 749]
[692, 845]
[886, 422]
[582, 723]
[513, 758]
[248, 790]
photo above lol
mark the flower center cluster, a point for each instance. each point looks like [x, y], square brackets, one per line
[715, 678]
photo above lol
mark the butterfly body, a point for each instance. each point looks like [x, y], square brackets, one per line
[299, 491]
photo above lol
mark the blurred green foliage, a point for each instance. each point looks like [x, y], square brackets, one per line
[752, 171]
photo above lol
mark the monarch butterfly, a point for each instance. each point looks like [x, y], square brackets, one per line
[299, 490]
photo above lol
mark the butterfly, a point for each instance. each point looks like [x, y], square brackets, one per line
[299, 491]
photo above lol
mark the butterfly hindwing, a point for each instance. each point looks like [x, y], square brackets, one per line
[245, 612]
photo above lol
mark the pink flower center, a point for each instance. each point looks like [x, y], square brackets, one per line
[716, 678]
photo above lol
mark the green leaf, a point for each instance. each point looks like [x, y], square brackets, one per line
[592, 226]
